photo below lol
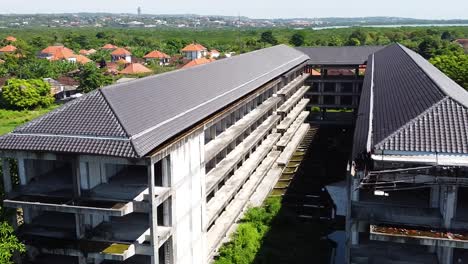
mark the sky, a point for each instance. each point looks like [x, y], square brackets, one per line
[427, 9]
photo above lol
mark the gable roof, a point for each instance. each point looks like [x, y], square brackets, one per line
[121, 51]
[10, 38]
[193, 47]
[156, 54]
[196, 62]
[120, 120]
[135, 68]
[8, 48]
[109, 47]
[347, 55]
[409, 105]
[82, 59]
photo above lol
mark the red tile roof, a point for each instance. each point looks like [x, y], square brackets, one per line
[194, 47]
[199, 61]
[121, 51]
[135, 68]
[10, 38]
[8, 48]
[156, 54]
[82, 59]
[84, 52]
[109, 47]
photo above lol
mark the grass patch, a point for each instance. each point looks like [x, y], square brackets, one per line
[247, 240]
[9, 119]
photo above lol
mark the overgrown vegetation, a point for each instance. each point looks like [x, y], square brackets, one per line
[246, 241]
[9, 119]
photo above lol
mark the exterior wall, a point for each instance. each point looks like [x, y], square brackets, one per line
[188, 181]
[435, 206]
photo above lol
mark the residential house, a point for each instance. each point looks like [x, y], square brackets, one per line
[121, 53]
[55, 53]
[109, 47]
[214, 54]
[8, 49]
[157, 55]
[64, 88]
[135, 68]
[87, 52]
[10, 39]
[196, 62]
[194, 51]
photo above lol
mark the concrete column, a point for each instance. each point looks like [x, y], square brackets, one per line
[445, 255]
[355, 189]
[435, 196]
[355, 233]
[153, 214]
[449, 212]
[22, 171]
[7, 186]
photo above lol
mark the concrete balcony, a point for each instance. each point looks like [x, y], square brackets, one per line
[291, 147]
[118, 197]
[224, 167]
[224, 224]
[292, 101]
[413, 235]
[390, 253]
[290, 87]
[398, 215]
[228, 136]
[291, 130]
[292, 116]
[118, 239]
[227, 192]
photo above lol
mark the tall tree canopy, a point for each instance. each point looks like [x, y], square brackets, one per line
[22, 94]
[91, 78]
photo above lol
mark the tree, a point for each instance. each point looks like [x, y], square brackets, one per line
[297, 39]
[446, 35]
[26, 94]
[267, 37]
[454, 66]
[91, 78]
[428, 47]
[9, 244]
[359, 35]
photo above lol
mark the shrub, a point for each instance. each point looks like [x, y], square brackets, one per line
[22, 94]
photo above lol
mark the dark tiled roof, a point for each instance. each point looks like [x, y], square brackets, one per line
[415, 106]
[133, 118]
[339, 55]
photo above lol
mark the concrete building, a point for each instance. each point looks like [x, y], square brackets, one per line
[408, 182]
[156, 170]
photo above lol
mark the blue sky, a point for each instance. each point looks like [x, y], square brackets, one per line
[437, 9]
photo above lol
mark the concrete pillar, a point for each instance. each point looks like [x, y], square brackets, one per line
[7, 186]
[22, 171]
[435, 196]
[153, 215]
[355, 189]
[354, 233]
[450, 207]
[445, 255]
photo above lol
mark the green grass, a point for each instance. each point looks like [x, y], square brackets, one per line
[9, 119]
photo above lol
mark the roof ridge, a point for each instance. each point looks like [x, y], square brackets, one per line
[412, 121]
[438, 84]
[113, 113]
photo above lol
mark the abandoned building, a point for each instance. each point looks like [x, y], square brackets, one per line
[408, 183]
[158, 170]
[146, 171]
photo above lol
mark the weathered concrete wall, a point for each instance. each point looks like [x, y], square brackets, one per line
[188, 183]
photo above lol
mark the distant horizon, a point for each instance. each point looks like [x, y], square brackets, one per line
[260, 9]
[220, 15]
